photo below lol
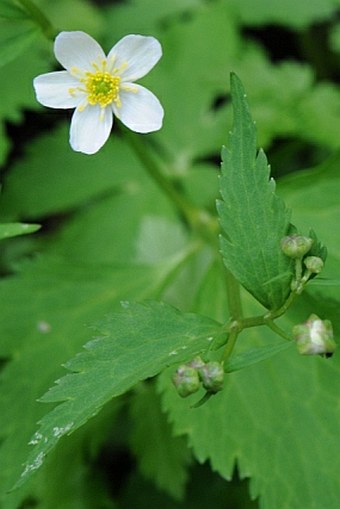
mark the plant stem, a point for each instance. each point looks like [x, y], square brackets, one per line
[235, 313]
[234, 296]
[232, 338]
[201, 221]
[267, 319]
[197, 218]
[234, 327]
[278, 330]
[39, 17]
[279, 312]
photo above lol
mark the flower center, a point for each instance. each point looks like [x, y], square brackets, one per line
[102, 88]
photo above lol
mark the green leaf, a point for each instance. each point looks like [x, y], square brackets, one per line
[15, 38]
[198, 131]
[61, 179]
[313, 196]
[161, 458]
[287, 12]
[304, 111]
[205, 490]
[276, 421]
[252, 217]
[132, 345]
[44, 312]
[76, 15]
[9, 10]
[253, 356]
[17, 94]
[76, 472]
[139, 16]
[14, 229]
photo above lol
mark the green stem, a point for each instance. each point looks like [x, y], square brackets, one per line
[197, 218]
[278, 330]
[233, 296]
[298, 270]
[230, 343]
[200, 220]
[267, 319]
[279, 312]
[234, 327]
[235, 312]
[39, 17]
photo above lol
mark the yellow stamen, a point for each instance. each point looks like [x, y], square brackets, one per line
[102, 88]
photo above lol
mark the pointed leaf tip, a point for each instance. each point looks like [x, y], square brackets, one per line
[252, 217]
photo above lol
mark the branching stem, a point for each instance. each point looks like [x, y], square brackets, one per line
[200, 221]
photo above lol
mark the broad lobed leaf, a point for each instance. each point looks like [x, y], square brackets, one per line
[132, 345]
[287, 104]
[276, 421]
[54, 300]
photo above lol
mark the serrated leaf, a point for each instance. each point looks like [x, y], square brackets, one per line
[133, 345]
[14, 229]
[44, 312]
[75, 471]
[317, 249]
[277, 421]
[252, 217]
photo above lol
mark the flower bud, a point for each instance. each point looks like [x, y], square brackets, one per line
[314, 264]
[296, 246]
[186, 380]
[212, 376]
[314, 337]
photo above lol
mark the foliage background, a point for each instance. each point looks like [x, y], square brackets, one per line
[109, 234]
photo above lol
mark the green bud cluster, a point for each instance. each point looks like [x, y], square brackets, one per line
[212, 376]
[186, 380]
[296, 246]
[314, 337]
[189, 377]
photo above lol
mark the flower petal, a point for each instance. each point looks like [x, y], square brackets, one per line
[134, 56]
[53, 90]
[77, 50]
[90, 128]
[140, 109]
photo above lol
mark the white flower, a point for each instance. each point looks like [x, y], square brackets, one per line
[100, 86]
